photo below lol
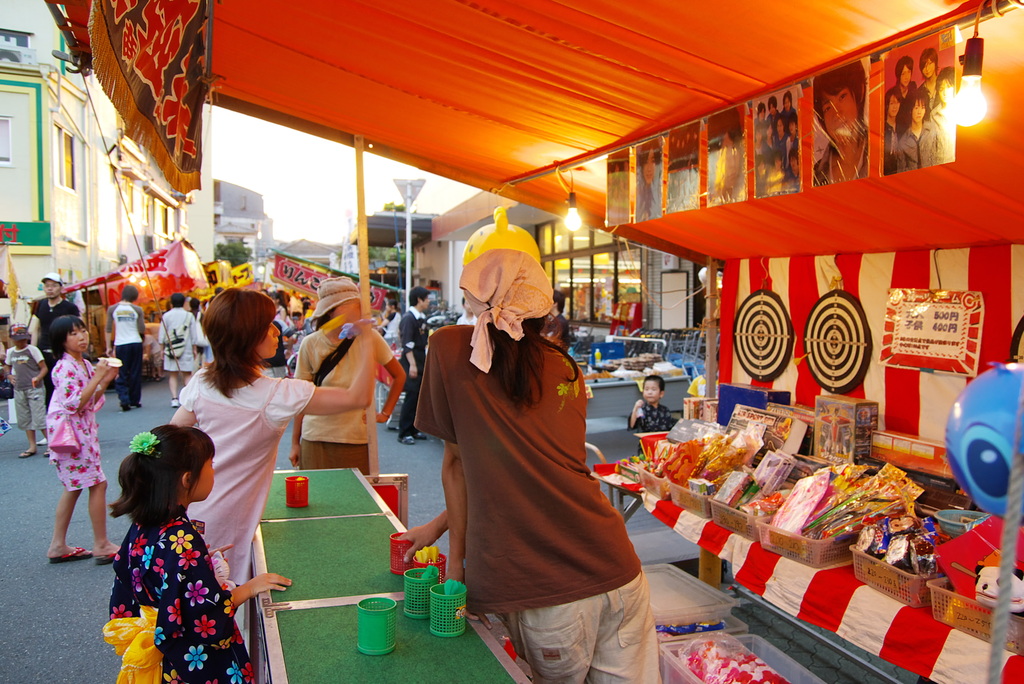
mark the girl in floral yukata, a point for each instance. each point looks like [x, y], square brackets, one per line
[77, 396]
[172, 608]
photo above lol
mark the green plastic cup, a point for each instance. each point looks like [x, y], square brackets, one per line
[376, 625]
[417, 594]
[447, 613]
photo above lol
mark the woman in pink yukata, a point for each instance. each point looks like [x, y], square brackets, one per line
[77, 395]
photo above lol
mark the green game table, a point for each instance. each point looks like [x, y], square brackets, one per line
[337, 552]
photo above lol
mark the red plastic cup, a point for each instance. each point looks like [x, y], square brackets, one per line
[441, 564]
[296, 491]
[398, 549]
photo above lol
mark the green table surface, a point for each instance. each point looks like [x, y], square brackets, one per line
[331, 493]
[331, 557]
[319, 645]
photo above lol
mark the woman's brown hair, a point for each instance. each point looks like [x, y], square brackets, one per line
[518, 365]
[236, 322]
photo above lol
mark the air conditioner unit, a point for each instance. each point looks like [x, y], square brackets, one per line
[17, 54]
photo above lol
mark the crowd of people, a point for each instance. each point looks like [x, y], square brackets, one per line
[195, 489]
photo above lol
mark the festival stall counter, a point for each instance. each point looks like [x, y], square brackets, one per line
[832, 598]
[336, 550]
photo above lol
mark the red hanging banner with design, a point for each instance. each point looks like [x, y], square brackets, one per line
[150, 57]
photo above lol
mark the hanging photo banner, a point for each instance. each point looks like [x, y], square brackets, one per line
[650, 157]
[937, 330]
[841, 124]
[684, 168]
[1017, 343]
[727, 158]
[920, 82]
[617, 195]
[777, 143]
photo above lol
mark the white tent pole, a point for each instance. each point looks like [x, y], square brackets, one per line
[362, 235]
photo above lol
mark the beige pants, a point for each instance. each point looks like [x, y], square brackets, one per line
[602, 639]
[320, 455]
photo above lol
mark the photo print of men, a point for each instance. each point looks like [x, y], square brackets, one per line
[649, 162]
[920, 83]
[617, 196]
[684, 168]
[727, 158]
[777, 144]
[841, 124]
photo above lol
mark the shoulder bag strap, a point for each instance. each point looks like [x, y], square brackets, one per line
[332, 360]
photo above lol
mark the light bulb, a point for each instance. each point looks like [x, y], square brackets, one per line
[970, 105]
[573, 222]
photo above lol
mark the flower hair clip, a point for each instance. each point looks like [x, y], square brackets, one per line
[144, 443]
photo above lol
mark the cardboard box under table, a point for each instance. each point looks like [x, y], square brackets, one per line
[336, 551]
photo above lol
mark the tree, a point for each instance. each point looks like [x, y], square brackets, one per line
[235, 252]
[392, 206]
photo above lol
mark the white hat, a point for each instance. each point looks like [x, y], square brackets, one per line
[333, 292]
[55, 277]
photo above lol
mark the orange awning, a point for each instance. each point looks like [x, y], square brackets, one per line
[491, 92]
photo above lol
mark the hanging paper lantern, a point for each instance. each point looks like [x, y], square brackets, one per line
[980, 435]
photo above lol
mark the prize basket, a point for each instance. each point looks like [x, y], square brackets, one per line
[970, 617]
[698, 504]
[735, 520]
[905, 587]
[675, 671]
[655, 486]
[816, 553]
[629, 471]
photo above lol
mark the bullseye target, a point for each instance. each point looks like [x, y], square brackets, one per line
[837, 342]
[1017, 343]
[763, 335]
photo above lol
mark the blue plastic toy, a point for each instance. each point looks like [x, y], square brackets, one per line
[980, 435]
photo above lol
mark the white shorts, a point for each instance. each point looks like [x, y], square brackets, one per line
[602, 639]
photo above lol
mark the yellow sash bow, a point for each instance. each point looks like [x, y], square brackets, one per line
[132, 638]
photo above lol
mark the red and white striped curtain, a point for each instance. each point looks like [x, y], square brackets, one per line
[910, 401]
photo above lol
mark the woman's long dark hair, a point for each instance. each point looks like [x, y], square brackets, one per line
[151, 483]
[236, 322]
[519, 365]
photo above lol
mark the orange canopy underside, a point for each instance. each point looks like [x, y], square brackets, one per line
[489, 91]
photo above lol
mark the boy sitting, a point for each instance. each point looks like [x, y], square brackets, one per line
[28, 367]
[648, 414]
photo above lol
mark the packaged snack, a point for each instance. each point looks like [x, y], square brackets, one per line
[733, 487]
[806, 495]
[722, 659]
[772, 471]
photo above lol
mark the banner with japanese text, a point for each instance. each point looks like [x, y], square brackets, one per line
[938, 330]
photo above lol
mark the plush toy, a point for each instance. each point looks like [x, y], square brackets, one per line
[980, 435]
[987, 588]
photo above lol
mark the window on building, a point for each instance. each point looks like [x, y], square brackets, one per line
[129, 196]
[65, 149]
[5, 141]
[14, 39]
[590, 269]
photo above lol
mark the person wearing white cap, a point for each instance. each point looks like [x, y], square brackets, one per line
[338, 440]
[46, 311]
[543, 548]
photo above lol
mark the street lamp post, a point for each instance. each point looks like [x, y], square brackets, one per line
[410, 189]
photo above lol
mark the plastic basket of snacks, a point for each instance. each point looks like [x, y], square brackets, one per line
[728, 658]
[740, 522]
[969, 616]
[655, 486]
[896, 556]
[694, 502]
[817, 553]
[682, 604]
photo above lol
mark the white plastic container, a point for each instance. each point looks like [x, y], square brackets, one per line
[675, 671]
[678, 598]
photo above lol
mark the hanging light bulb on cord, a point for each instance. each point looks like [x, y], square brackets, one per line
[573, 221]
[970, 102]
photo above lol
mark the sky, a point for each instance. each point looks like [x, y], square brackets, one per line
[308, 183]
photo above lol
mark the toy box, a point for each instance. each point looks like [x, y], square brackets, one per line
[843, 427]
[778, 432]
[748, 395]
[804, 414]
[910, 452]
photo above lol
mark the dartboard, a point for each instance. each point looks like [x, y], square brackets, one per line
[1017, 343]
[763, 335]
[837, 341]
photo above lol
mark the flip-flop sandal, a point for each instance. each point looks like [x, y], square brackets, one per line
[26, 454]
[105, 560]
[77, 553]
